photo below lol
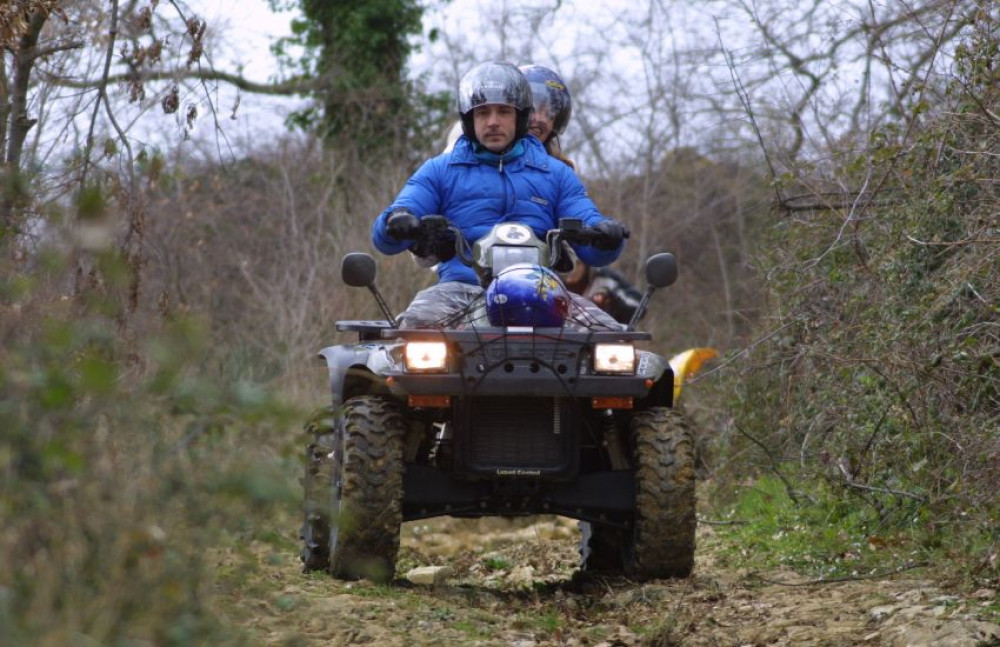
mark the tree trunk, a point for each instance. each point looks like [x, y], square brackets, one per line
[4, 108]
[24, 61]
[14, 120]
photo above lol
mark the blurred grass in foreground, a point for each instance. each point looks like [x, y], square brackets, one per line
[120, 468]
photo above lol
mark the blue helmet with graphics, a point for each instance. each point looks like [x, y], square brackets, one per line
[527, 295]
[550, 96]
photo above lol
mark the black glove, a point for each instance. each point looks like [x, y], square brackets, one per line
[402, 225]
[444, 246]
[612, 233]
[439, 246]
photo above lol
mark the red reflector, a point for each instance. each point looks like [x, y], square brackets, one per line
[611, 402]
[429, 401]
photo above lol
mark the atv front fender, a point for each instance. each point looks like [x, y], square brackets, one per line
[357, 369]
[656, 368]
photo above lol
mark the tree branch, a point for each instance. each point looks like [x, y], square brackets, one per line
[871, 488]
[744, 99]
[102, 85]
[284, 88]
[36, 53]
[4, 107]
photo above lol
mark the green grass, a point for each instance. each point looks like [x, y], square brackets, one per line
[991, 610]
[367, 589]
[823, 538]
[496, 563]
[474, 629]
[549, 622]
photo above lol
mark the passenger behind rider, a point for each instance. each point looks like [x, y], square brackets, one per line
[553, 107]
[495, 173]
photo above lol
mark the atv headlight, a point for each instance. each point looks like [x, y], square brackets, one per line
[614, 358]
[426, 356]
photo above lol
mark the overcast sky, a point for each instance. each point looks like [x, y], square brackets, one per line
[625, 60]
[469, 34]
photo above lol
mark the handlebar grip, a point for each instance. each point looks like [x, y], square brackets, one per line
[583, 235]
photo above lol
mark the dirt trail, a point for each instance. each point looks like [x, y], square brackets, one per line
[515, 583]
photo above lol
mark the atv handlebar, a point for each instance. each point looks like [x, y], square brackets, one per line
[572, 230]
[436, 233]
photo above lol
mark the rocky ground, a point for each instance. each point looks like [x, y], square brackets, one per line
[514, 582]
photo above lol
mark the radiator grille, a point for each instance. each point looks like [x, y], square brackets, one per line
[516, 432]
[549, 352]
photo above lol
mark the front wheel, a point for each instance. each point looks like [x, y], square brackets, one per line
[354, 493]
[663, 538]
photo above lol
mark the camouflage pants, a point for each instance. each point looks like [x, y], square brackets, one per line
[587, 314]
[442, 305]
[454, 304]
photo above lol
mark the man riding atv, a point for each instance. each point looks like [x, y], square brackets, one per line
[552, 107]
[496, 173]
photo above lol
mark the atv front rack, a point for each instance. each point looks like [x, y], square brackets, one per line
[486, 333]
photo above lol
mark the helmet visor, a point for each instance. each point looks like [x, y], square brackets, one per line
[494, 84]
[552, 102]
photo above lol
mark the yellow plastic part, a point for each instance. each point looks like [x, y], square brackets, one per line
[686, 364]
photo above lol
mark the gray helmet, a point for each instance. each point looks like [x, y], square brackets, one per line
[549, 91]
[494, 83]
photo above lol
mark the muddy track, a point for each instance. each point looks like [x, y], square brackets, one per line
[515, 583]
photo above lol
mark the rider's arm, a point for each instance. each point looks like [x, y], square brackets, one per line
[575, 203]
[420, 195]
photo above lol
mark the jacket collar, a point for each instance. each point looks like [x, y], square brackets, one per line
[534, 154]
[496, 159]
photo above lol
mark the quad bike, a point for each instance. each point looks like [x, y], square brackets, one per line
[489, 418]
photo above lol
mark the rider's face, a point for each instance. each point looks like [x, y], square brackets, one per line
[495, 126]
[541, 124]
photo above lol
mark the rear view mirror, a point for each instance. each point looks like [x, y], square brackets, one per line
[358, 270]
[661, 270]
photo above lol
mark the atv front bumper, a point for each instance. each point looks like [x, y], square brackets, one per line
[538, 363]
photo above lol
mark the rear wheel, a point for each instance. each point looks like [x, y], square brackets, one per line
[354, 492]
[663, 539]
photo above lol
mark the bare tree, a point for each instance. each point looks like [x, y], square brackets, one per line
[76, 78]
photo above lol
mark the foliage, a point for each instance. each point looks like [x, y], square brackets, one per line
[117, 477]
[877, 377]
[254, 250]
[358, 50]
[828, 538]
[702, 209]
[49, 44]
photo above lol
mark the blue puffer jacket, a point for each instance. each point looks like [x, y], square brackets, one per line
[532, 188]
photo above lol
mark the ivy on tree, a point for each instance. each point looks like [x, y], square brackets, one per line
[357, 49]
